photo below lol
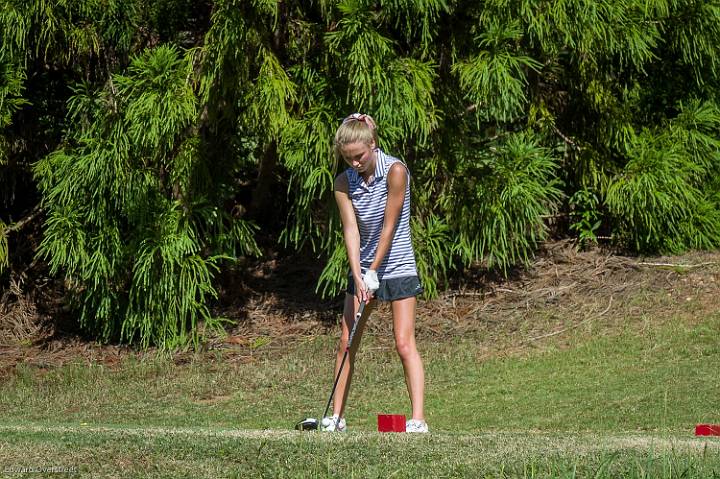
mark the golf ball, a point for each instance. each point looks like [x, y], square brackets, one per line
[327, 421]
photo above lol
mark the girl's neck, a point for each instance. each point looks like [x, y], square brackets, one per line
[370, 173]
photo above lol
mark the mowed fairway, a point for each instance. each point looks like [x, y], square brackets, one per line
[593, 402]
[187, 452]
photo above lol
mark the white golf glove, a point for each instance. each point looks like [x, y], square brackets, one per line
[370, 278]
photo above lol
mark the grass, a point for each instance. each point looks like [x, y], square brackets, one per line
[618, 404]
[204, 453]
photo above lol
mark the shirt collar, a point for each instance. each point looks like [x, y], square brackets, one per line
[380, 170]
[380, 167]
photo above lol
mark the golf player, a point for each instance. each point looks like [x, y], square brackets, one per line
[373, 196]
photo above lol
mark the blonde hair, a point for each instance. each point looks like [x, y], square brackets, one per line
[356, 128]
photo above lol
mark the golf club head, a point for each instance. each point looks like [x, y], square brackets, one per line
[308, 424]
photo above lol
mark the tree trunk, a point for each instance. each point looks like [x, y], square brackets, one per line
[261, 206]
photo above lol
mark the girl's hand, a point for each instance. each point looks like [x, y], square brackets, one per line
[370, 278]
[361, 292]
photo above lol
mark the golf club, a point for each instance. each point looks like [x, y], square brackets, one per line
[311, 424]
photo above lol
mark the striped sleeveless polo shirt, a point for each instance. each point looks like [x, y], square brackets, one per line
[369, 202]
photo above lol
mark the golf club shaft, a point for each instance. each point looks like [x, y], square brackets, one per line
[358, 316]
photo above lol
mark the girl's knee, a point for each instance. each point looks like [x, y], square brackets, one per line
[406, 348]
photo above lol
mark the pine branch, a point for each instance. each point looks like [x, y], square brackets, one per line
[566, 139]
[18, 225]
[678, 265]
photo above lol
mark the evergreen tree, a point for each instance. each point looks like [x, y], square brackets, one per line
[170, 128]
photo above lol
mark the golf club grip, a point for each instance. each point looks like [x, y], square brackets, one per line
[358, 316]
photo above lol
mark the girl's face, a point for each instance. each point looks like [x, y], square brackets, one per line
[359, 156]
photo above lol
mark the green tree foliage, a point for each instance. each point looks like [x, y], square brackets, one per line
[133, 220]
[45, 48]
[11, 100]
[500, 200]
[665, 197]
[171, 124]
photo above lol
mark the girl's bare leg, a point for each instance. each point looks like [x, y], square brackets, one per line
[403, 311]
[343, 388]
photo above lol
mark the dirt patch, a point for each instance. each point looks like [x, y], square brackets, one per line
[563, 292]
[567, 291]
[21, 323]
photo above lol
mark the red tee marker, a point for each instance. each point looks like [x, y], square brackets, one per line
[391, 423]
[707, 430]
